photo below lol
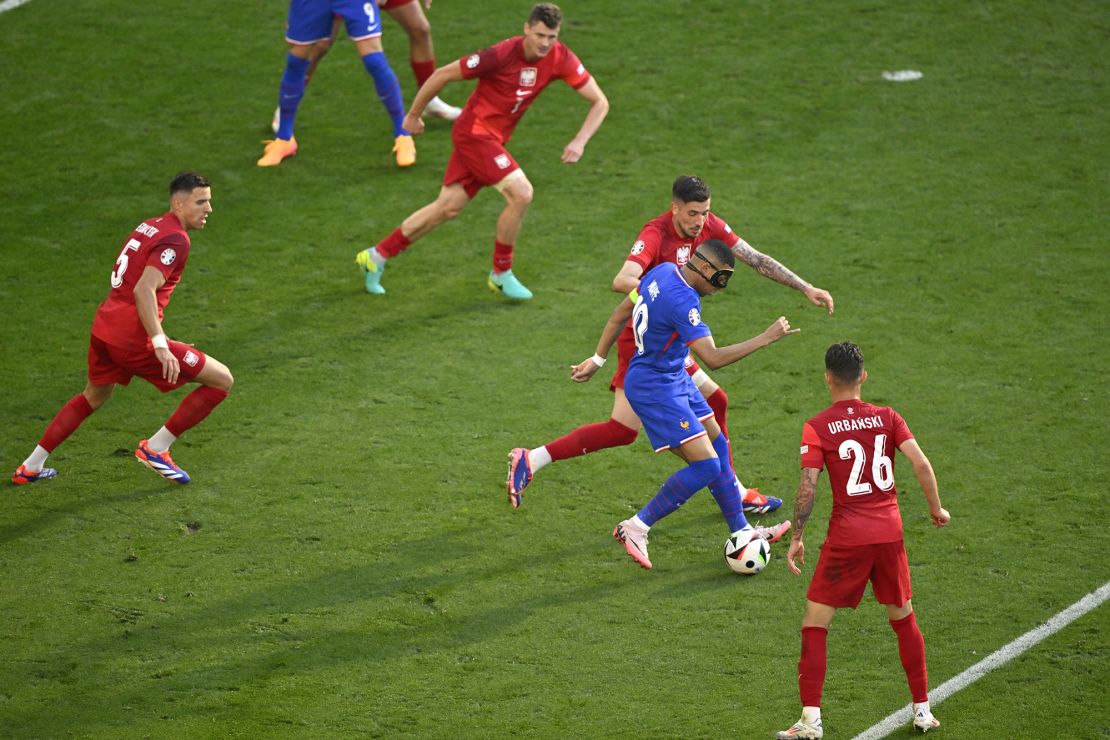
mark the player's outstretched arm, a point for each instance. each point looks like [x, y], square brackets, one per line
[585, 370]
[431, 87]
[803, 508]
[716, 357]
[628, 279]
[146, 304]
[599, 108]
[769, 267]
[923, 469]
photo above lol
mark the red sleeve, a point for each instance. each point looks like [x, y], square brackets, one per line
[572, 71]
[719, 229]
[482, 63]
[645, 252]
[901, 429]
[168, 255]
[813, 456]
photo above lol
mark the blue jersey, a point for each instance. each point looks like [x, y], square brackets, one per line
[666, 320]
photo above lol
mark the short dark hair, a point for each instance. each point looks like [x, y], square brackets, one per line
[548, 14]
[845, 362]
[187, 182]
[719, 251]
[689, 189]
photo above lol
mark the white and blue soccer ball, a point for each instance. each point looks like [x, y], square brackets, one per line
[747, 556]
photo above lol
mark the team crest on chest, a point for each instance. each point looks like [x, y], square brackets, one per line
[528, 77]
[682, 255]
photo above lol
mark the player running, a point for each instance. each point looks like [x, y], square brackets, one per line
[511, 75]
[128, 338]
[666, 318]
[856, 440]
[668, 238]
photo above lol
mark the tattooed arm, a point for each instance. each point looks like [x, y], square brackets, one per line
[769, 267]
[803, 508]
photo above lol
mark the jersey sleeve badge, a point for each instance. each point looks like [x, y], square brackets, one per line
[638, 247]
[168, 256]
[694, 316]
[472, 61]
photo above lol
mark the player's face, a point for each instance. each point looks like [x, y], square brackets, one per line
[689, 218]
[193, 208]
[539, 39]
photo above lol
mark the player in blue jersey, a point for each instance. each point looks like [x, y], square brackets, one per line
[310, 26]
[666, 321]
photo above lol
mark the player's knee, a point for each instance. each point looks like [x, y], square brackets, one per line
[419, 31]
[448, 211]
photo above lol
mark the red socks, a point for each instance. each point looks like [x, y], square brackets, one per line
[393, 244]
[65, 422]
[911, 649]
[811, 665]
[591, 438]
[502, 256]
[422, 70]
[194, 407]
[719, 403]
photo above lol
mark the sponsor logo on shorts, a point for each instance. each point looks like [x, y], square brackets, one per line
[805, 449]
[638, 246]
[472, 61]
[191, 358]
[695, 317]
[502, 161]
[168, 256]
[682, 255]
[527, 77]
[581, 68]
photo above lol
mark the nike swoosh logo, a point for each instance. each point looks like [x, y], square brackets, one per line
[521, 93]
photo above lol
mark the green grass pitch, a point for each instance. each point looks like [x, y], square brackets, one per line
[345, 563]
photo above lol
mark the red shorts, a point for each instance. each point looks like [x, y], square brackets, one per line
[843, 572]
[626, 347]
[478, 162]
[387, 4]
[111, 364]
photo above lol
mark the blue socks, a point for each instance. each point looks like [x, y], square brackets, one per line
[389, 89]
[292, 90]
[678, 489]
[726, 489]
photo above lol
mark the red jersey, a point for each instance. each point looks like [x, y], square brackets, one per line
[856, 442]
[508, 84]
[659, 242]
[158, 242]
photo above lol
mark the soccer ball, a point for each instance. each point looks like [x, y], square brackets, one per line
[747, 557]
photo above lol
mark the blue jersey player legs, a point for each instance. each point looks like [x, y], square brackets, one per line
[310, 27]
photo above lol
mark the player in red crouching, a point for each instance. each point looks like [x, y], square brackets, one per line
[856, 441]
[128, 339]
[511, 75]
[669, 237]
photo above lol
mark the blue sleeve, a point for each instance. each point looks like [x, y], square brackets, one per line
[686, 316]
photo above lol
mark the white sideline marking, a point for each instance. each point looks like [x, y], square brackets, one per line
[999, 657]
[11, 4]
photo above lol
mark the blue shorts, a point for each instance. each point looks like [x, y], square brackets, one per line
[670, 406]
[311, 20]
